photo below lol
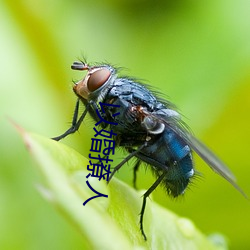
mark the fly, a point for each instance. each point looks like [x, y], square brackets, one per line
[149, 128]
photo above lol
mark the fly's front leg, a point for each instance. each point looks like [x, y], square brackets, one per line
[75, 123]
[145, 196]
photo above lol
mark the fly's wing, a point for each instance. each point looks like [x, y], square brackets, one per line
[212, 160]
[208, 156]
[175, 124]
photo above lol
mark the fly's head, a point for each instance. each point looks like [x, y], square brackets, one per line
[96, 79]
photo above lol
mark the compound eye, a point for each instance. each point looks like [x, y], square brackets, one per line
[97, 79]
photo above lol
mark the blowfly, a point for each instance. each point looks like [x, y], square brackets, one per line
[148, 127]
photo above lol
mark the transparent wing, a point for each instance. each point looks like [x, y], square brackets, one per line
[207, 155]
[175, 124]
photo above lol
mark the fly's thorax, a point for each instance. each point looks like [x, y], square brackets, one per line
[95, 84]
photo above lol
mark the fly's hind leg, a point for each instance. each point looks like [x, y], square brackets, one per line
[145, 196]
[136, 167]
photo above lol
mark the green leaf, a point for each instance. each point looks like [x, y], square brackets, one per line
[107, 223]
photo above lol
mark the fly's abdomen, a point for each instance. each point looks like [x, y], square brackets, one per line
[178, 176]
[169, 154]
[180, 166]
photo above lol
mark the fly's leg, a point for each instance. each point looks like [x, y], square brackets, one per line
[136, 167]
[145, 196]
[75, 123]
[127, 158]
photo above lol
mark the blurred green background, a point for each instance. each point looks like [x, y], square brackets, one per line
[196, 53]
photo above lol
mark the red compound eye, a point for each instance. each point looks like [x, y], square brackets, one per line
[97, 79]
